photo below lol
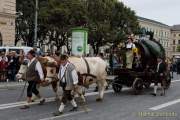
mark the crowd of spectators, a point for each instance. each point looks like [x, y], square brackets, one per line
[9, 66]
[10, 63]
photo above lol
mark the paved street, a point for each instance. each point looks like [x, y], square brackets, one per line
[122, 106]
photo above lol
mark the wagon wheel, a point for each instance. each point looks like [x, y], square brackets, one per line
[168, 81]
[116, 86]
[137, 85]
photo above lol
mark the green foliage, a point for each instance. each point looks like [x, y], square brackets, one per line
[25, 22]
[178, 48]
[108, 21]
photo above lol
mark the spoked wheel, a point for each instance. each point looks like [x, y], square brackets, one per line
[116, 86]
[137, 85]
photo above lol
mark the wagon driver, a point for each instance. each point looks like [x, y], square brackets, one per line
[130, 46]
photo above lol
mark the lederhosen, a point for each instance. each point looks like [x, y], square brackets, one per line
[32, 79]
[66, 93]
[161, 70]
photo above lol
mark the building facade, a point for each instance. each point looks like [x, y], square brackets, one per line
[7, 22]
[162, 32]
[175, 34]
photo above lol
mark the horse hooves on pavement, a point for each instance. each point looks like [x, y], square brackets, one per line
[56, 99]
[162, 94]
[99, 99]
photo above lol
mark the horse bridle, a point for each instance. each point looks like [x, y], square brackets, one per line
[20, 73]
[53, 77]
[88, 71]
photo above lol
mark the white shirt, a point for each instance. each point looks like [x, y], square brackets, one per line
[73, 73]
[130, 45]
[38, 68]
[158, 66]
[62, 71]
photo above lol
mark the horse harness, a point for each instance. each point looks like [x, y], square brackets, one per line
[88, 74]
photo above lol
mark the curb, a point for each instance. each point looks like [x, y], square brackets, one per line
[9, 84]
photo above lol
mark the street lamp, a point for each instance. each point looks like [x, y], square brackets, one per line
[35, 23]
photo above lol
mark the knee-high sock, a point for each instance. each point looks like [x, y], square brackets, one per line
[73, 103]
[61, 107]
[155, 89]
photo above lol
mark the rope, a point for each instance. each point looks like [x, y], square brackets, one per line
[22, 92]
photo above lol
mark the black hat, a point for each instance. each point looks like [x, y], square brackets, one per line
[64, 57]
[32, 52]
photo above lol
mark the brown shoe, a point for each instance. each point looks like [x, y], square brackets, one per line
[74, 109]
[42, 102]
[154, 94]
[57, 113]
[25, 107]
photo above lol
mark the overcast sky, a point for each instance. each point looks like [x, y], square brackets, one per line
[165, 11]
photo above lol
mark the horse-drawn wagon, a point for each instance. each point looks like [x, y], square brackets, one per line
[142, 77]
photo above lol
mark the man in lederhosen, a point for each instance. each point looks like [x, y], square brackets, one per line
[160, 76]
[130, 46]
[68, 81]
[33, 75]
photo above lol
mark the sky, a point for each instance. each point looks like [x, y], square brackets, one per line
[164, 11]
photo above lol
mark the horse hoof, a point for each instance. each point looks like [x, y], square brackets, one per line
[99, 99]
[162, 94]
[56, 99]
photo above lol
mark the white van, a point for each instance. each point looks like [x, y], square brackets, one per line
[17, 49]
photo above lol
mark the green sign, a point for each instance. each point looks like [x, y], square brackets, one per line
[79, 48]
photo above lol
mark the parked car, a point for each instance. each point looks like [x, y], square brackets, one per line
[8, 49]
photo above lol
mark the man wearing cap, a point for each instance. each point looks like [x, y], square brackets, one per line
[34, 74]
[129, 52]
[68, 81]
[160, 74]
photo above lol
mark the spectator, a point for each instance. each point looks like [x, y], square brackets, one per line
[3, 66]
[13, 65]
[101, 55]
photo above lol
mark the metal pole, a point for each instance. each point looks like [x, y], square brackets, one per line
[35, 23]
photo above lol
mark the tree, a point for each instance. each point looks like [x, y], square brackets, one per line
[108, 21]
[25, 22]
[58, 17]
[99, 14]
[123, 22]
[178, 48]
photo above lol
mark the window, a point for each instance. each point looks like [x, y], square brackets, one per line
[179, 34]
[174, 48]
[1, 41]
[174, 42]
[178, 41]
[174, 35]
